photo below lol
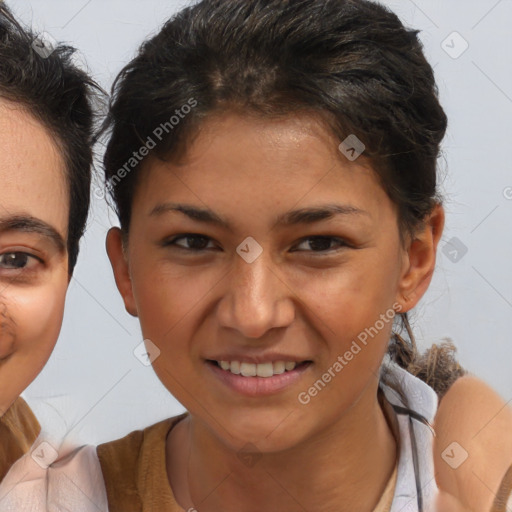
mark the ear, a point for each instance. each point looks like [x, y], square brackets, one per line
[121, 269]
[420, 260]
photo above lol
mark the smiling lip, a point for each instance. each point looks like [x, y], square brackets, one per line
[258, 386]
[267, 358]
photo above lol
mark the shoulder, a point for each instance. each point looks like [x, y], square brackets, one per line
[19, 429]
[125, 452]
[473, 445]
[121, 453]
[20, 419]
[125, 463]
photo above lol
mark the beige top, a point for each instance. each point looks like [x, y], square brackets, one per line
[135, 474]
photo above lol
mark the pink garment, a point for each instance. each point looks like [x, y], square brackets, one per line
[45, 481]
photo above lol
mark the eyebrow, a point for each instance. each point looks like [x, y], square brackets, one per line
[29, 224]
[301, 216]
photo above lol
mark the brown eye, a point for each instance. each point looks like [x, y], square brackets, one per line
[195, 242]
[323, 243]
[15, 260]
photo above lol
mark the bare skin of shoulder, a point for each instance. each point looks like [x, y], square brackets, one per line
[473, 448]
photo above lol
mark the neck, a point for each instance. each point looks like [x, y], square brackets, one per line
[342, 468]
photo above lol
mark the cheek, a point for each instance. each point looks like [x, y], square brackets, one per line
[349, 298]
[35, 319]
[169, 309]
[165, 299]
[6, 331]
[351, 309]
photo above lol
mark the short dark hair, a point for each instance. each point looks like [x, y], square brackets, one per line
[59, 95]
[352, 62]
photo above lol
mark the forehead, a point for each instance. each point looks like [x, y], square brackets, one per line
[261, 165]
[32, 170]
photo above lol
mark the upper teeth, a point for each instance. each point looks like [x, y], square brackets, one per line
[259, 370]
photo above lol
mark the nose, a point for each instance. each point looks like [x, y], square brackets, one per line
[256, 298]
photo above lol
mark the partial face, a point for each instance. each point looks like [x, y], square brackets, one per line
[322, 283]
[33, 257]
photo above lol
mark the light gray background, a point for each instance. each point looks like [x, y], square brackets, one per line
[94, 389]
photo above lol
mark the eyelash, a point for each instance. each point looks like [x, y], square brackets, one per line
[342, 243]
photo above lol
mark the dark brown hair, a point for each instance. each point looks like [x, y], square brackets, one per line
[350, 61]
[60, 96]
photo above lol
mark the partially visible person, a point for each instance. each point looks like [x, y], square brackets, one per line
[47, 125]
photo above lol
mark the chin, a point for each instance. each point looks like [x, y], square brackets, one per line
[268, 432]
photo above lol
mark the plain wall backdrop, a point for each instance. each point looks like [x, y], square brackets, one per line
[94, 389]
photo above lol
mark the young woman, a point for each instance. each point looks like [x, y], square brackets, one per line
[273, 167]
[46, 122]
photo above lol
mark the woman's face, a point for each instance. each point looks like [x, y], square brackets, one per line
[33, 256]
[264, 277]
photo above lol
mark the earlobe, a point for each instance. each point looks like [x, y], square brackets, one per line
[420, 260]
[120, 267]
